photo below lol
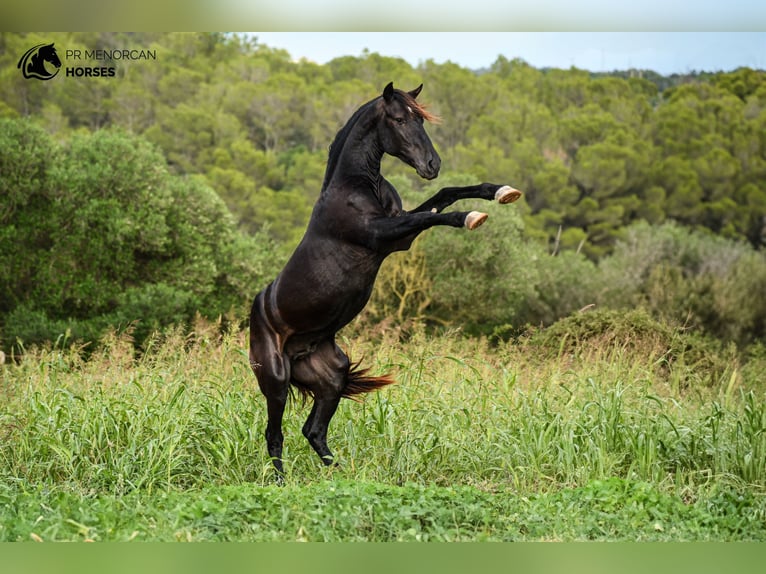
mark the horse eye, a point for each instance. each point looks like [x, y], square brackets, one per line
[399, 121]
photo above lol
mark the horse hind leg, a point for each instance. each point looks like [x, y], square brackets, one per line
[316, 425]
[272, 369]
[324, 374]
[276, 399]
[275, 389]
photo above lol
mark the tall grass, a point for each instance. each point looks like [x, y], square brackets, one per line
[187, 414]
[469, 413]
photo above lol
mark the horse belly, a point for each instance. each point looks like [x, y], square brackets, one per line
[324, 296]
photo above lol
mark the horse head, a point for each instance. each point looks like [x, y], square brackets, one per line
[48, 54]
[402, 131]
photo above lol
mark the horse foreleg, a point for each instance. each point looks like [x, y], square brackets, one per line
[387, 234]
[449, 195]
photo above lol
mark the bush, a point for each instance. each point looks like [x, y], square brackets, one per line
[687, 355]
[27, 153]
[106, 236]
[481, 278]
[687, 277]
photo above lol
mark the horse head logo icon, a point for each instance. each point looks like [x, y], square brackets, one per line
[32, 63]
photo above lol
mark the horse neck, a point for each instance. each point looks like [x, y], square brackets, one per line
[360, 154]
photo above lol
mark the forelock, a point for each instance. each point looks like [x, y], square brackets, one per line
[413, 106]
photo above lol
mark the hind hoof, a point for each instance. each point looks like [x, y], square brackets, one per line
[507, 194]
[475, 219]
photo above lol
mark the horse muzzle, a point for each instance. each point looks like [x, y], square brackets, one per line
[429, 169]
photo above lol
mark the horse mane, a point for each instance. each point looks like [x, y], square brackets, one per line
[337, 145]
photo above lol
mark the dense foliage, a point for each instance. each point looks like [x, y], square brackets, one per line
[97, 233]
[640, 190]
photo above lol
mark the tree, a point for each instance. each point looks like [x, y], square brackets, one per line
[460, 97]
[98, 232]
[25, 200]
[581, 126]
[683, 198]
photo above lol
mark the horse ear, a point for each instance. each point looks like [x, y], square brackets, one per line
[388, 92]
[416, 92]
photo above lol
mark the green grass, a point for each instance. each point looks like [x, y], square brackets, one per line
[342, 510]
[475, 442]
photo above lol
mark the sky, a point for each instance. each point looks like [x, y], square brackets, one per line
[663, 52]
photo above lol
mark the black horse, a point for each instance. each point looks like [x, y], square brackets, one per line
[357, 221]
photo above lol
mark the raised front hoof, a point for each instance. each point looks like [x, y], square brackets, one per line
[475, 219]
[507, 194]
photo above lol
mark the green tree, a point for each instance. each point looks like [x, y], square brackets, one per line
[587, 125]
[25, 202]
[683, 201]
[460, 97]
[97, 232]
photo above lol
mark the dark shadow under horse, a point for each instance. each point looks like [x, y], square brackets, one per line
[357, 221]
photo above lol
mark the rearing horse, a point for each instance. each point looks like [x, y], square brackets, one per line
[357, 222]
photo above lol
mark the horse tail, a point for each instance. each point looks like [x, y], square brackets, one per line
[358, 382]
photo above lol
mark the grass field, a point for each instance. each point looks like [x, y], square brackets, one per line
[513, 441]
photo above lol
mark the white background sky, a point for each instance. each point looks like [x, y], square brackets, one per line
[663, 52]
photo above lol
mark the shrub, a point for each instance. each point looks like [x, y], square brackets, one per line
[106, 236]
[689, 356]
[705, 282]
